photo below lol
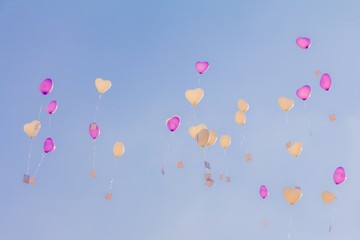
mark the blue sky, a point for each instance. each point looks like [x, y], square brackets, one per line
[148, 50]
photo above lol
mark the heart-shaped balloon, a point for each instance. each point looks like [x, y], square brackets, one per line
[196, 129]
[303, 42]
[295, 149]
[194, 96]
[225, 141]
[304, 92]
[173, 123]
[285, 103]
[32, 128]
[52, 107]
[46, 86]
[328, 197]
[202, 138]
[202, 67]
[102, 85]
[292, 195]
[49, 145]
[240, 118]
[339, 175]
[325, 81]
[243, 105]
[263, 191]
[118, 149]
[94, 130]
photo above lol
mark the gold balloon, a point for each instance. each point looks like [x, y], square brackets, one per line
[328, 197]
[212, 138]
[202, 138]
[118, 149]
[102, 85]
[292, 195]
[240, 117]
[225, 141]
[32, 128]
[196, 129]
[194, 96]
[295, 149]
[243, 105]
[285, 103]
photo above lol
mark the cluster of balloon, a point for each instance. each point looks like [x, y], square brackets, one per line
[118, 150]
[94, 130]
[172, 124]
[240, 118]
[32, 129]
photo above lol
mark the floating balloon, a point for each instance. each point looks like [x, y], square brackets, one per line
[118, 149]
[46, 86]
[243, 105]
[240, 118]
[173, 123]
[263, 191]
[196, 129]
[194, 96]
[304, 92]
[303, 42]
[94, 130]
[292, 195]
[295, 149]
[325, 82]
[339, 175]
[49, 145]
[202, 67]
[102, 85]
[32, 128]
[285, 104]
[328, 197]
[225, 141]
[52, 107]
[212, 138]
[202, 138]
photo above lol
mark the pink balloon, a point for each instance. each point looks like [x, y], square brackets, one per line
[263, 191]
[52, 107]
[303, 42]
[46, 86]
[304, 92]
[325, 82]
[173, 123]
[94, 130]
[202, 67]
[339, 175]
[49, 145]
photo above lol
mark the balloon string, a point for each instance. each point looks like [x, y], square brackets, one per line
[167, 152]
[111, 184]
[39, 165]
[195, 115]
[308, 118]
[94, 154]
[290, 227]
[205, 159]
[330, 102]
[286, 118]
[40, 112]
[226, 163]
[50, 122]
[28, 161]
[97, 108]
[332, 220]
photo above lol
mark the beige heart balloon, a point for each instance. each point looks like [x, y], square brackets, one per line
[225, 141]
[102, 85]
[202, 138]
[243, 105]
[32, 128]
[240, 118]
[118, 149]
[295, 149]
[212, 137]
[328, 197]
[194, 96]
[285, 103]
[196, 129]
[292, 195]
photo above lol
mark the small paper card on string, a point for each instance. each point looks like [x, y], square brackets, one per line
[108, 196]
[221, 176]
[209, 183]
[163, 170]
[207, 176]
[207, 165]
[248, 157]
[288, 145]
[93, 174]
[332, 117]
[317, 72]
[26, 178]
[180, 164]
[32, 181]
[228, 179]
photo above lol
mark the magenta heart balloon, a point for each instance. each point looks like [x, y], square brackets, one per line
[303, 42]
[339, 175]
[52, 107]
[325, 82]
[202, 67]
[304, 92]
[173, 123]
[46, 86]
[94, 130]
[263, 191]
[49, 145]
